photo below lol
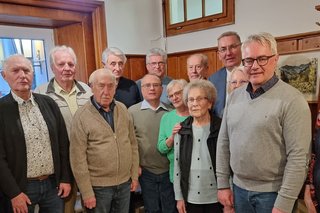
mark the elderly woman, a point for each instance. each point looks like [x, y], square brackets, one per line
[169, 121]
[195, 152]
[237, 78]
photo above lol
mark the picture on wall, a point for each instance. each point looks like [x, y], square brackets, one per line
[302, 72]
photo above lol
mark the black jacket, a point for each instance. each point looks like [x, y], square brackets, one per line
[186, 149]
[13, 157]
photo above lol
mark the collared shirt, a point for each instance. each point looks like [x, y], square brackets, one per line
[145, 105]
[264, 88]
[108, 116]
[69, 97]
[38, 146]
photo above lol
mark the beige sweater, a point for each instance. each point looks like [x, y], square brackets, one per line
[99, 156]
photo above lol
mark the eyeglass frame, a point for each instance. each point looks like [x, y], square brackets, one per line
[175, 94]
[149, 85]
[197, 99]
[230, 47]
[160, 63]
[264, 57]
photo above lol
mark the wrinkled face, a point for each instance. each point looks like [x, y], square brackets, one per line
[198, 104]
[257, 74]
[229, 51]
[175, 96]
[156, 66]
[116, 65]
[103, 90]
[151, 88]
[237, 79]
[64, 67]
[19, 74]
[196, 70]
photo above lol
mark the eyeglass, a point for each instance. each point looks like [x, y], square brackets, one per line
[149, 85]
[160, 63]
[261, 60]
[198, 99]
[238, 82]
[231, 48]
[175, 94]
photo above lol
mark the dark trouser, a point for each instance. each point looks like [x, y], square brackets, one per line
[157, 192]
[114, 199]
[204, 208]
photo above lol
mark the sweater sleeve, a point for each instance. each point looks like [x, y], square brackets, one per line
[223, 155]
[134, 148]
[177, 173]
[162, 146]
[297, 138]
[78, 156]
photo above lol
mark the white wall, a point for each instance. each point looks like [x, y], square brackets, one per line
[134, 25]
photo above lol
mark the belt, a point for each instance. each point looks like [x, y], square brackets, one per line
[39, 178]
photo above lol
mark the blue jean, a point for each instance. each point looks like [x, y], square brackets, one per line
[157, 192]
[115, 199]
[45, 194]
[256, 202]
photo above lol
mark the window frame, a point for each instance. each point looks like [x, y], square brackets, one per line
[225, 18]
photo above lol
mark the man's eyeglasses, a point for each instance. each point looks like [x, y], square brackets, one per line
[261, 60]
[198, 99]
[175, 94]
[149, 85]
[231, 48]
[160, 64]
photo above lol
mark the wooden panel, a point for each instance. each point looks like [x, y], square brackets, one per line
[310, 43]
[172, 67]
[287, 46]
[137, 68]
[182, 67]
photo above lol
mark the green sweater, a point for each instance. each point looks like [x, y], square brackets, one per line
[266, 141]
[99, 156]
[146, 124]
[168, 121]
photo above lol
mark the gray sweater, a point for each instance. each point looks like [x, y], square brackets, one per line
[266, 141]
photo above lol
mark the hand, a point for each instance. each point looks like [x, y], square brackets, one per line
[134, 185]
[181, 206]
[276, 210]
[176, 129]
[225, 197]
[228, 209]
[90, 203]
[139, 171]
[308, 200]
[19, 203]
[64, 190]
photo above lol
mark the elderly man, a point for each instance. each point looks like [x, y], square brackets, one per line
[197, 66]
[103, 148]
[68, 93]
[229, 52]
[157, 190]
[265, 136]
[127, 91]
[156, 63]
[34, 145]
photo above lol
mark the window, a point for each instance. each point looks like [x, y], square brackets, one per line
[182, 16]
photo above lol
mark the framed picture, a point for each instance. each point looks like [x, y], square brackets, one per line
[302, 72]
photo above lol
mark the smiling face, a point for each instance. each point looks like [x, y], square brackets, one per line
[196, 68]
[156, 66]
[18, 73]
[64, 67]
[103, 89]
[175, 96]
[151, 88]
[198, 104]
[229, 51]
[259, 75]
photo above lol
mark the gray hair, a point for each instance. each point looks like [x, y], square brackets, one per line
[204, 58]
[113, 51]
[265, 39]
[157, 52]
[7, 61]
[205, 85]
[62, 48]
[98, 73]
[229, 33]
[181, 82]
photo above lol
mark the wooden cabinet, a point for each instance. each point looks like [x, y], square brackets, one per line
[287, 46]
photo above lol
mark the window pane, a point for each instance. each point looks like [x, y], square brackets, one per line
[213, 7]
[194, 9]
[176, 11]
